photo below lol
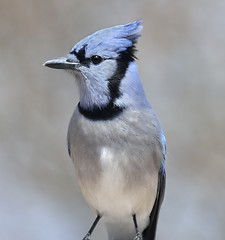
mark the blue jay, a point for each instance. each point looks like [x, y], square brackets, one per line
[115, 138]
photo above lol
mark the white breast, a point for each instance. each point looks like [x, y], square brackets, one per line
[117, 165]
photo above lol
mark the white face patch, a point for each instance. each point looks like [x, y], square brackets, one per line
[102, 71]
[94, 88]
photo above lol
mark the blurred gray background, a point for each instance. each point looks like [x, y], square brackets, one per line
[181, 64]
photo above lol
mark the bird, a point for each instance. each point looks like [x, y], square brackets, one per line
[115, 138]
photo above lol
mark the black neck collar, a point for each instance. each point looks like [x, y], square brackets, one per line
[107, 112]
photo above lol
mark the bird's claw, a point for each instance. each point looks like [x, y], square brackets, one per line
[138, 237]
[87, 237]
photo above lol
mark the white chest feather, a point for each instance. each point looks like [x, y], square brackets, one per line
[117, 165]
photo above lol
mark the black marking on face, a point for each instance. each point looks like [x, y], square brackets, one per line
[81, 56]
[123, 61]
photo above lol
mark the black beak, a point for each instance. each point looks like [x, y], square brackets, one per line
[61, 63]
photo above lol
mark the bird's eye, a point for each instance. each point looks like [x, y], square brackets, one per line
[96, 59]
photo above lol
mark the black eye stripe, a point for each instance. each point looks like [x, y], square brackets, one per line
[95, 59]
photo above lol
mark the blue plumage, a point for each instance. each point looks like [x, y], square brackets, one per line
[109, 42]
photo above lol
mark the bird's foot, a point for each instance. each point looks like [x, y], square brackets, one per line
[87, 237]
[138, 236]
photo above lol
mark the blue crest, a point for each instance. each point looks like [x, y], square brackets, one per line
[109, 42]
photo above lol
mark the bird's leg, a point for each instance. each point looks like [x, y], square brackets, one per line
[88, 235]
[138, 234]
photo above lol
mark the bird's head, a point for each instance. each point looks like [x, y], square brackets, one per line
[100, 62]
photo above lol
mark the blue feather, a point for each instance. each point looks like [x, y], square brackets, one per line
[109, 42]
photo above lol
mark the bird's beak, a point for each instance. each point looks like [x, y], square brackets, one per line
[61, 63]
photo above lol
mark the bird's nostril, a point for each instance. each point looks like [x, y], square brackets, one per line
[69, 60]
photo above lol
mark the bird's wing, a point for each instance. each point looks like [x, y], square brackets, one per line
[150, 232]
